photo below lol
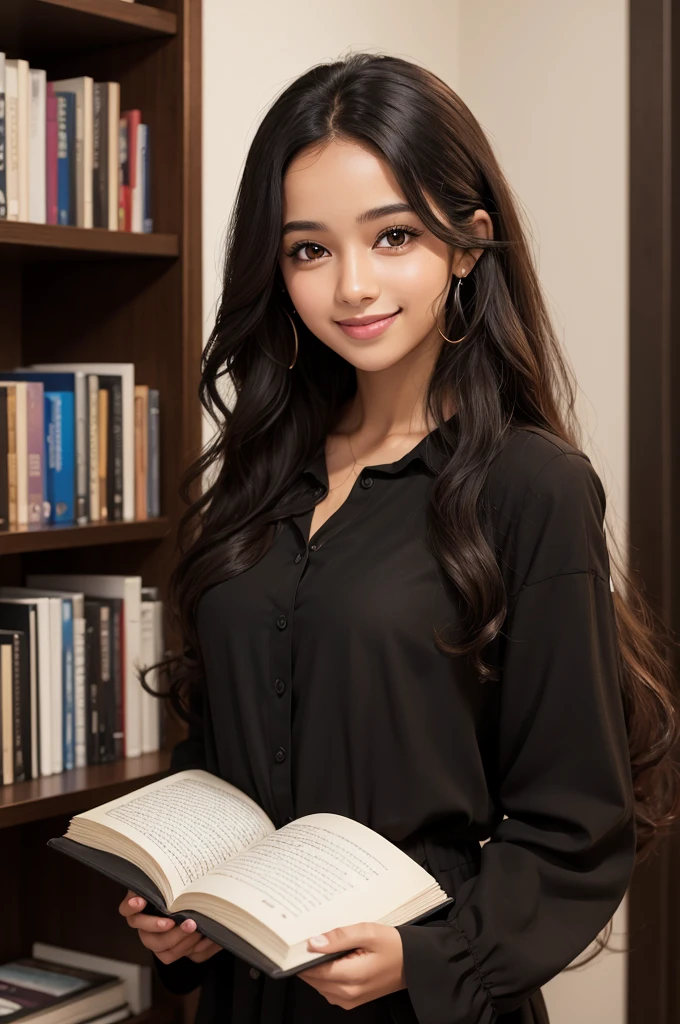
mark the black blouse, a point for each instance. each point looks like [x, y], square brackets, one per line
[325, 691]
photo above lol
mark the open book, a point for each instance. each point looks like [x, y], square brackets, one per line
[195, 846]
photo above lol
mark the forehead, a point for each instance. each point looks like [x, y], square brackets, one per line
[341, 178]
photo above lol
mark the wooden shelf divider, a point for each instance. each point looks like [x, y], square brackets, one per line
[30, 241]
[51, 538]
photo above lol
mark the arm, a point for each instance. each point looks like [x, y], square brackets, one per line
[556, 869]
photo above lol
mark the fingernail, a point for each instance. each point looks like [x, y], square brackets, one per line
[188, 926]
[136, 902]
[162, 922]
[318, 940]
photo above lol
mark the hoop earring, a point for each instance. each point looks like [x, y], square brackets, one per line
[460, 309]
[296, 338]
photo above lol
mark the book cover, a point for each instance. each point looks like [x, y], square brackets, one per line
[82, 89]
[30, 988]
[12, 140]
[35, 422]
[154, 454]
[20, 131]
[4, 464]
[66, 163]
[37, 182]
[21, 617]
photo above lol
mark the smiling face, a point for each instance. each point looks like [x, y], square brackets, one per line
[346, 263]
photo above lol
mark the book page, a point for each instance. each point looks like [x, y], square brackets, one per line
[187, 822]
[318, 872]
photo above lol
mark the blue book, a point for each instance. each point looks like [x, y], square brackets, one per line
[66, 157]
[60, 454]
[68, 683]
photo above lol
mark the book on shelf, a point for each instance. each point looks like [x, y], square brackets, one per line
[36, 990]
[67, 154]
[193, 845]
[135, 977]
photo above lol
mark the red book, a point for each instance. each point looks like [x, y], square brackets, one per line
[131, 120]
[51, 154]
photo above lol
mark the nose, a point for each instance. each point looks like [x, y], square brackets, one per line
[357, 283]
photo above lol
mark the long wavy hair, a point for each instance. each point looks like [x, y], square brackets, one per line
[509, 371]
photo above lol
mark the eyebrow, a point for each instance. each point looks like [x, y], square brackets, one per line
[375, 214]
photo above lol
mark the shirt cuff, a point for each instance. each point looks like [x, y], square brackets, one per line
[442, 978]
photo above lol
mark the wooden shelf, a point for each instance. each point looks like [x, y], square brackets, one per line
[50, 538]
[78, 789]
[19, 240]
[29, 27]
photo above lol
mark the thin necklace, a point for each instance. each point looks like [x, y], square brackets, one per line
[355, 463]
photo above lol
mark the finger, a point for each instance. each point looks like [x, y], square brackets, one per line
[184, 947]
[202, 952]
[131, 904]
[363, 936]
[146, 923]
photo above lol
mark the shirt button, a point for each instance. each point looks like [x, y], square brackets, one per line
[367, 481]
[279, 686]
[280, 755]
[282, 622]
[254, 973]
[298, 558]
[313, 547]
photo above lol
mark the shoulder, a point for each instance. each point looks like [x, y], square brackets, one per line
[546, 505]
[535, 462]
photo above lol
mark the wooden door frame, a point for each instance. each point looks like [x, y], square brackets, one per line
[654, 444]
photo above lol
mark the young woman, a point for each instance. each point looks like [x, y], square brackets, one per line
[395, 594]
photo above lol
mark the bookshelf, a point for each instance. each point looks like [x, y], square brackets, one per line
[76, 294]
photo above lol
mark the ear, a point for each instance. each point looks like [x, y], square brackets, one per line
[482, 227]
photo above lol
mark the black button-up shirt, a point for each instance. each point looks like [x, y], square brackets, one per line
[325, 691]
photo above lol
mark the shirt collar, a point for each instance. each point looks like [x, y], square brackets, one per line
[430, 450]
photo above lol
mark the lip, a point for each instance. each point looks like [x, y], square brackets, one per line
[367, 326]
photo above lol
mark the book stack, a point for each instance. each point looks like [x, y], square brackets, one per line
[71, 647]
[68, 155]
[37, 989]
[79, 443]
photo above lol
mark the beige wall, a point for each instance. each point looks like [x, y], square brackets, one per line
[548, 81]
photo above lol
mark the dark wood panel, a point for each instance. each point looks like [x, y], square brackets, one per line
[21, 241]
[78, 789]
[31, 28]
[51, 537]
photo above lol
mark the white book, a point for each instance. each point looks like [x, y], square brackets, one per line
[20, 67]
[130, 589]
[138, 189]
[22, 451]
[37, 130]
[113, 99]
[137, 978]
[42, 690]
[3, 142]
[127, 373]
[12, 138]
[83, 89]
[152, 652]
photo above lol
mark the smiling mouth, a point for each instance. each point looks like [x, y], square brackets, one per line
[363, 321]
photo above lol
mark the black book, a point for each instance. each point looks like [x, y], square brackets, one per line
[92, 679]
[4, 462]
[209, 852]
[111, 697]
[114, 448]
[22, 617]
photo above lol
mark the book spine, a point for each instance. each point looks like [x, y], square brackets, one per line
[124, 218]
[51, 156]
[35, 401]
[37, 196]
[60, 457]
[106, 686]
[68, 684]
[154, 453]
[80, 697]
[63, 160]
[3, 166]
[12, 139]
[117, 676]
[99, 163]
[81, 444]
[116, 439]
[19, 665]
[93, 446]
[147, 219]
[22, 452]
[92, 662]
[4, 467]
[12, 453]
[23, 106]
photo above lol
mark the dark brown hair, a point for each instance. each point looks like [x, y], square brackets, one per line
[509, 371]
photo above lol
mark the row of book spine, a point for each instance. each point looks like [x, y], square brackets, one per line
[79, 443]
[68, 155]
[71, 648]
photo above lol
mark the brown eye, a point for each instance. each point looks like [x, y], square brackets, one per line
[305, 247]
[399, 232]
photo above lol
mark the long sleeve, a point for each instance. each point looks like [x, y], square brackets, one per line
[183, 975]
[556, 868]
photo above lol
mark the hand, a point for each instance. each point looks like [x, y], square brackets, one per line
[162, 936]
[375, 968]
